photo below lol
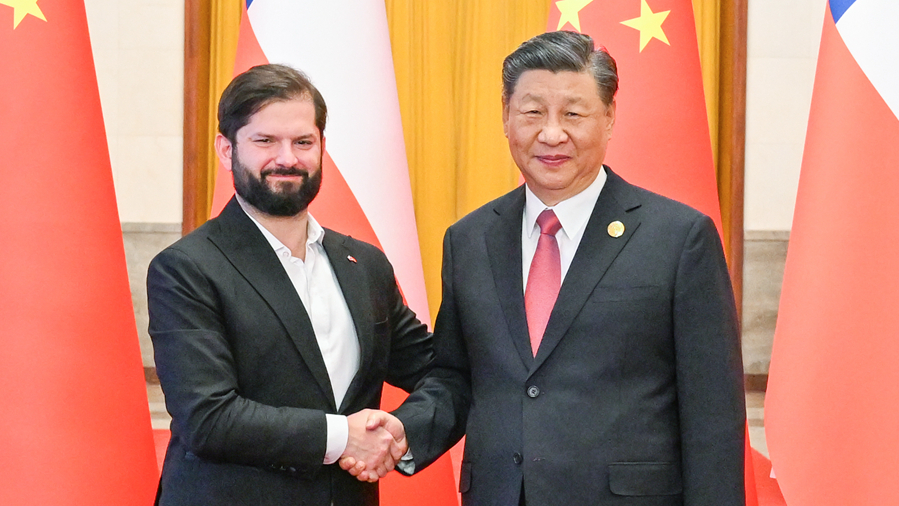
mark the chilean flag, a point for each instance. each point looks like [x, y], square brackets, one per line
[833, 391]
[344, 48]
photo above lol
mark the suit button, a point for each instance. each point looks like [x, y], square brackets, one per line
[533, 391]
[517, 458]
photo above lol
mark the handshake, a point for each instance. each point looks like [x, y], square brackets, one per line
[376, 442]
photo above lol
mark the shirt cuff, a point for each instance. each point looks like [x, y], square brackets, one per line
[338, 434]
[406, 464]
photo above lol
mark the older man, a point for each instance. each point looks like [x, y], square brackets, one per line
[587, 341]
[273, 334]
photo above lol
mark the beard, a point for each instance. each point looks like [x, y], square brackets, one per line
[285, 199]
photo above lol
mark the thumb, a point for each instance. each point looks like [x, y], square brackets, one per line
[395, 427]
[376, 419]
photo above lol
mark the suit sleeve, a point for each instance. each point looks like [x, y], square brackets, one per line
[198, 374]
[411, 345]
[435, 414]
[711, 402]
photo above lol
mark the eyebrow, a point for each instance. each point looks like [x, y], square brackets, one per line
[531, 96]
[541, 99]
[261, 133]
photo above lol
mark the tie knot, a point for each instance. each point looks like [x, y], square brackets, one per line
[548, 222]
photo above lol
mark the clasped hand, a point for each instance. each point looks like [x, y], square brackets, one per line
[377, 441]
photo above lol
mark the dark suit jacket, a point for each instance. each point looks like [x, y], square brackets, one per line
[242, 373]
[635, 396]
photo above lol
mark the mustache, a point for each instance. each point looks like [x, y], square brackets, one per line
[284, 171]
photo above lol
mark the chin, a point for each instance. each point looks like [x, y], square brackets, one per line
[285, 187]
[552, 183]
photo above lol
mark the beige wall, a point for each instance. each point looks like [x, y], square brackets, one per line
[782, 52]
[139, 54]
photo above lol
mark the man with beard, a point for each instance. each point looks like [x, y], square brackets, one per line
[273, 336]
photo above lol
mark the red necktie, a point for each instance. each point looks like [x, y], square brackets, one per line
[544, 278]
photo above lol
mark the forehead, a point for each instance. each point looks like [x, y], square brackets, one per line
[293, 113]
[547, 85]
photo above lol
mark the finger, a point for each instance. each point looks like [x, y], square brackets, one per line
[390, 464]
[350, 465]
[397, 451]
[347, 463]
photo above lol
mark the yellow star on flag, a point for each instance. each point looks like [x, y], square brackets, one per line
[21, 8]
[570, 10]
[650, 25]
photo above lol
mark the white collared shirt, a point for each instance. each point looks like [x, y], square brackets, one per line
[573, 214]
[318, 289]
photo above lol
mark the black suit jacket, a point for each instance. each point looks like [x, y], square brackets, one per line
[635, 396]
[242, 373]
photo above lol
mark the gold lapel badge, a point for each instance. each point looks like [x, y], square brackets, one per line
[616, 229]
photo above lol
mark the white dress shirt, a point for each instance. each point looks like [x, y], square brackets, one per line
[573, 214]
[316, 284]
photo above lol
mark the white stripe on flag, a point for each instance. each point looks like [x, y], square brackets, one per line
[344, 47]
[870, 29]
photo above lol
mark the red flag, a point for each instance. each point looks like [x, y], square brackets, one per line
[833, 388]
[661, 140]
[366, 191]
[75, 428]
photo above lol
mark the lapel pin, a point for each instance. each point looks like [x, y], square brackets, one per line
[351, 258]
[616, 229]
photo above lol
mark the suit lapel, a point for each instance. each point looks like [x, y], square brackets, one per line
[596, 252]
[354, 285]
[504, 249]
[252, 256]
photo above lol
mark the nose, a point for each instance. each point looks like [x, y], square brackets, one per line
[286, 156]
[552, 133]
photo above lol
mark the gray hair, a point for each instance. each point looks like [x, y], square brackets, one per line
[561, 52]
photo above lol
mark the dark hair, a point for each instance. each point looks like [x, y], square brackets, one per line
[260, 86]
[561, 52]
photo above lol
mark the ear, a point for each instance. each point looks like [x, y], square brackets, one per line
[223, 149]
[610, 112]
[506, 119]
[323, 146]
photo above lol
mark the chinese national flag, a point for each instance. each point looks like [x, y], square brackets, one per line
[74, 428]
[833, 392]
[366, 191]
[661, 139]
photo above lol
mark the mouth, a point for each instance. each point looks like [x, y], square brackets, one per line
[284, 174]
[553, 160]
